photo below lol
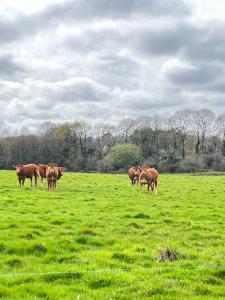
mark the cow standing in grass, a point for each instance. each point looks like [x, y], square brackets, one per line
[42, 170]
[133, 174]
[52, 174]
[26, 171]
[149, 176]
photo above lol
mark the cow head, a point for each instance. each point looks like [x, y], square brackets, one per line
[18, 168]
[52, 165]
[61, 171]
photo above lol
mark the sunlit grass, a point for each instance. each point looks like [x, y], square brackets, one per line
[101, 222]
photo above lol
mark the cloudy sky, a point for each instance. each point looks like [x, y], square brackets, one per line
[100, 60]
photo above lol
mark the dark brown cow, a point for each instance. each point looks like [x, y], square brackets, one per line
[42, 170]
[133, 174]
[26, 171]
[52, 174]
[149, 176]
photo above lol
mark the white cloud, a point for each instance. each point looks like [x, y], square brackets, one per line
[61, 60]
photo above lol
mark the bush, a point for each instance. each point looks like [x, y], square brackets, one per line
[122, 156]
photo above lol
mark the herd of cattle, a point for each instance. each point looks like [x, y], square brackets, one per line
[51, 171]
[144, 175]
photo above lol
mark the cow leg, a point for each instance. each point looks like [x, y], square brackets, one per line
[23, 180]
[35, 180]
[148, 187]
[20, 182]
[31, 181]
[156, 184]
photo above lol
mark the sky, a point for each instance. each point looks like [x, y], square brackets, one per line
[102, 61]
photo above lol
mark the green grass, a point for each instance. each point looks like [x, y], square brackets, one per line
[101, 222]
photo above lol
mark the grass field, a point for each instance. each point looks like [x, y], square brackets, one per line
[101, 223]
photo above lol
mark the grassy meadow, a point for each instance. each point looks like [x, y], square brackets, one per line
[97, 237]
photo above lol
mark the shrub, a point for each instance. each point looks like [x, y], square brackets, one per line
[122, 156]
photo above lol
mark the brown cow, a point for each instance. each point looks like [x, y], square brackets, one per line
[61, 171]
[26, 171]
[134, 173]
[149, 176]
[52, 174]
[42, 170]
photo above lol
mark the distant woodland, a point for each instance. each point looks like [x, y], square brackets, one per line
[188, 141]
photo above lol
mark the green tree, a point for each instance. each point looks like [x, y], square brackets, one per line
[123, 156]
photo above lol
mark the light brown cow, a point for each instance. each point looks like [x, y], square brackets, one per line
[52, 174]
[149, 176]
[42, 170]
[26, 171]
[133, 174]
[61, 171]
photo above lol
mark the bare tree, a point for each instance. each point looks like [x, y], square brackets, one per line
[180, 122]
[4, 128]
[125, 127]
[221, 126]
[202, 124]
[82, 129]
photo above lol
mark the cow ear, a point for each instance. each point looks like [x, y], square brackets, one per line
[55, 165]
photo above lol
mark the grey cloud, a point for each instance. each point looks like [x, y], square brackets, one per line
[206, 43]
[78, 10]
[101, 59]
[9, 68]
[81, 9]
[160, 42]
[194, 75]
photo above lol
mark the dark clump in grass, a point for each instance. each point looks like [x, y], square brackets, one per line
[141, 216]
[100, 283]
[212, 281]
[43, 295]
[89, 199]
[167, 254]
[28, 236]
[12, 226]
[202, 290]
[82, 240]
[2, 248]
[14, 263]
[135, 225]
[122, 257]
[62, 277]
[3, 294]
[220, 274]
[140, 250]
[155, 291]
[38, 248]
[88, 232]
[57, 222]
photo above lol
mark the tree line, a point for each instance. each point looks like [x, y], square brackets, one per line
[187, 141]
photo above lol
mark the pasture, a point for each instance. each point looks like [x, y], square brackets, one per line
[52, 241]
